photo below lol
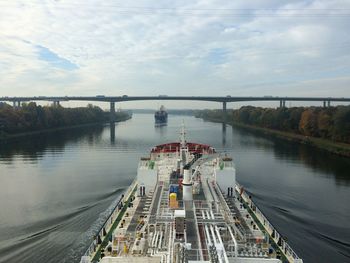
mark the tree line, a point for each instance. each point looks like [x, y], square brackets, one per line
[32, 117]
[330, 123]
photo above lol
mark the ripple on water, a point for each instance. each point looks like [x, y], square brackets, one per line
[58, 189]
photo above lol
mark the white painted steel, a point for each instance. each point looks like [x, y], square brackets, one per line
[187, 186]
[234, 241]
[222, 244]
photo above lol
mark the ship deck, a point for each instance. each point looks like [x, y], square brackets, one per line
[160, 226]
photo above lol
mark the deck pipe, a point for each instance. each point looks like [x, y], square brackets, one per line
[234, 241]
[222, 244]
[215, 242]
[208, 235]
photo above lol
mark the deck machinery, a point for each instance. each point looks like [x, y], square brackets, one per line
[185, 206]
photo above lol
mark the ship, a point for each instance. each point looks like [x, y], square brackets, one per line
[161, 116]
[186, 206]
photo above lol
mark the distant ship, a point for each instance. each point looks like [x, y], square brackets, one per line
[161, 116]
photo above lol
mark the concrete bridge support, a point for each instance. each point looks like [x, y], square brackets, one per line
[326, 103]
[224, 110]
[112, 111]
[282, 103]
[56, 103]
[16, 104]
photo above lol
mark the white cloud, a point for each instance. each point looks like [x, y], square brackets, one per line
[152, 48]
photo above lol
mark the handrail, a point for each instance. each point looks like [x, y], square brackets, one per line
[234, 241]
[284, 247]
[108, 222]
[228, 213]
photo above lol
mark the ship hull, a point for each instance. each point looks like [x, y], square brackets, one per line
[161, 118]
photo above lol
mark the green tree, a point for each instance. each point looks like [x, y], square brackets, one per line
[341, 129]
[324, 124]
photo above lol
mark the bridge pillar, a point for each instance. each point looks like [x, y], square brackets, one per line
[324, 104]
[282, 103]
[329, 103]
[112, 111]
[56, 103]
[16, 104]
[224, 111]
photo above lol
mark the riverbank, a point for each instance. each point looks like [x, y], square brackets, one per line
[9, 137]
[32, 119]
[341, 149]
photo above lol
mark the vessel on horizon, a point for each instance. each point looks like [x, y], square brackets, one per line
[186, 206]
[161, 117]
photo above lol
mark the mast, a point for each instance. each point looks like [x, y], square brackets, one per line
[183, 146]
[183, 136]
[187, 181]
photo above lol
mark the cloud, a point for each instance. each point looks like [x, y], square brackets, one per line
[199, 47]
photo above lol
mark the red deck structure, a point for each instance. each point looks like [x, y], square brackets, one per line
[175, 146]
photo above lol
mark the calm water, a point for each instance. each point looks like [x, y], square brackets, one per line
[57, 188]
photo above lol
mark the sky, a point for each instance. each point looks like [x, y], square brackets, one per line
[197, 47]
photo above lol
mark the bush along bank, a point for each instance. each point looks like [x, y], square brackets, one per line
[32, 118]
[326, 128]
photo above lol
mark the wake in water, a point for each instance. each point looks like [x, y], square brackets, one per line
[85, 239]
[47, 240]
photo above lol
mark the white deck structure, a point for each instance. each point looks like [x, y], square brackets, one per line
[185, 206]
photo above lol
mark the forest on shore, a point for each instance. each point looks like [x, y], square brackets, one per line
[332, 123]
[31, 117]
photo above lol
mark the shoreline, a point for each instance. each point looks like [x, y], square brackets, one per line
[24, 134]
[341, 149]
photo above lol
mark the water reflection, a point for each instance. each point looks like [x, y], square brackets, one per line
[224, 134]
[161, 130]
[320, 161]
[112, 132]
[32, 147]
[80, 169]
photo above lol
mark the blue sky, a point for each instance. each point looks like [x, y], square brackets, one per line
[199, 47]
[53, 60]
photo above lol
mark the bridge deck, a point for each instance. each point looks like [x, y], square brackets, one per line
[190, 98]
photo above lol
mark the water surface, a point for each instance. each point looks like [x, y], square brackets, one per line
[57, 188]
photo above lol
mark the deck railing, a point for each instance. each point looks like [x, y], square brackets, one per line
[108, 223]
[276, 236]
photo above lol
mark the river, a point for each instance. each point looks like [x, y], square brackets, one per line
[57, 188]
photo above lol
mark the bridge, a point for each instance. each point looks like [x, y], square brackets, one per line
[221, 99]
